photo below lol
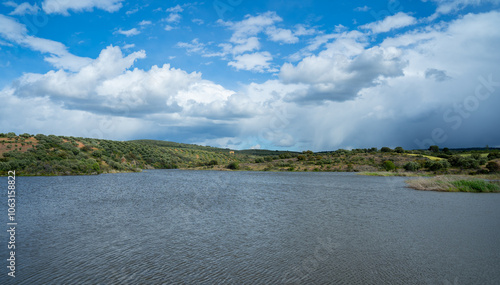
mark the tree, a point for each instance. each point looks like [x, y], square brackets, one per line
[476, 156]
[399, 149]
[493, 166]
[233, 165]
[493, 155]
[385, 149]
[285, 155]
[412, 166]
[95, 167]
[434, 148]
[389, 165]
[438, 165]
[463, 162]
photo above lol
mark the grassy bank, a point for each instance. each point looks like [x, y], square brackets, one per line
[454, 184]
[391, 173]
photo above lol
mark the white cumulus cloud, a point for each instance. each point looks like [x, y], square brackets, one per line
[393, 22]
[25, 8]
[258, 61]
[64, 6]
[128, 33]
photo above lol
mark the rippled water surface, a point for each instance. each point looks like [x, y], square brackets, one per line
[207, 227]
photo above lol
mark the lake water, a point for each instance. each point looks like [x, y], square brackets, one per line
[208, 227]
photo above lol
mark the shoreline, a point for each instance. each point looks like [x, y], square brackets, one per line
[423, 181]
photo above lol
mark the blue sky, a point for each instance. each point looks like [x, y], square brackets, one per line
[294, 75]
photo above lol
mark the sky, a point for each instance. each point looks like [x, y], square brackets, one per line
[240, 74]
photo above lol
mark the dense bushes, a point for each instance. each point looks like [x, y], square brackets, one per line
[412, 166]
[465, 162]
[438, 165]
[493, 155]
[54, 155]
[233, 165]
[493, 166]
[388, 165]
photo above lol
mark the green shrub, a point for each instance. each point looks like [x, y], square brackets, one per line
[284, 164]
[438, 165]
[385, 149]
[493, 166]
[476, 156]
[259, 160]
[434, 148]
[388, 165]
[285, 155]
[412, 166]
[233, 165]
[463, 162]
[95, 167]
[482, 161]
[493, 155]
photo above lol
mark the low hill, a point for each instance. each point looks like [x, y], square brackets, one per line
[61, 155]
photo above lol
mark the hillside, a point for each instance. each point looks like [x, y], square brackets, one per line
[61, 155]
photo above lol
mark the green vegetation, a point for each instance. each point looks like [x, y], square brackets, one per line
[454, 184]
[434, 148]
[60, 155]
[493, 166]
[388, 165]
[392, 173]
[475, 185]
[412, 166]
[233, 165]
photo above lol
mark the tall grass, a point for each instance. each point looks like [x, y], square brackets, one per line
[475, 185]
[386, 173]
[454, 184]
